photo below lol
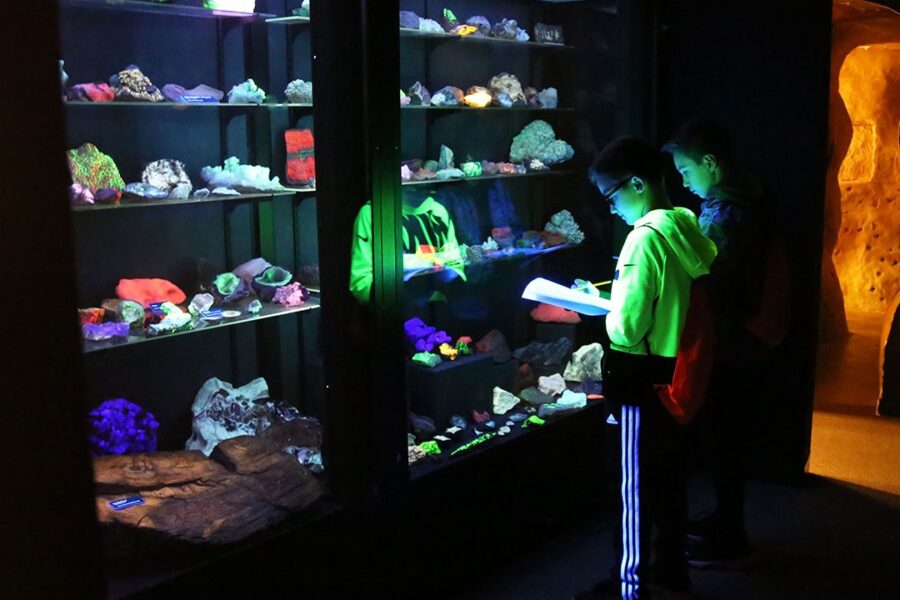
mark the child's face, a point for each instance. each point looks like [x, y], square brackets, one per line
[624, 200]
[698, 177]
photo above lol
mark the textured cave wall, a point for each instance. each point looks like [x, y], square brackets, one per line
[856, 23]
[867, 253]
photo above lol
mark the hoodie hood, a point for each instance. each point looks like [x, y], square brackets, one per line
[681, 230]
[740, 188]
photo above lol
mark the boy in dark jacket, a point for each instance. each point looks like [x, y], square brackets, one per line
[731, 214]
[660, 258]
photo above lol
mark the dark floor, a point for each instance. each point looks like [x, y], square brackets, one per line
[818, 540]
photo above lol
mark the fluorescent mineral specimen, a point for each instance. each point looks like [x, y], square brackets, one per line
[419, 94]
[585, 364]
[299, 92]
[409, 19]
[430, 26]
[553, 385]
[537, 140]
[503, 401]
[548, 98]
[508, 84]
[104, 331]
[478, 97]
[448, 96]
[236, 176]
[483, 25]
[169, 176]
[93, 169]
[131, 84]
[121, 427]
[293, 294]
[246, 93]
[563, 223]
[446, 158]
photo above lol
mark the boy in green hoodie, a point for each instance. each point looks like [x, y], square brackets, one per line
[650, 294]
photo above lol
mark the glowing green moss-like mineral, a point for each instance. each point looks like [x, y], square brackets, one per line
[476, 442]
[93, 169]
[430, 447]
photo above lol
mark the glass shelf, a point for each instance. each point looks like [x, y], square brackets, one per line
[291, 20]
[516, 254]
[268, 311]
[486, 109]
[547, 173]
[125, 203]
[155, 8]
[187, 105]
[415, 33]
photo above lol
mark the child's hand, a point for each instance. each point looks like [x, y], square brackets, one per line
[585, 286]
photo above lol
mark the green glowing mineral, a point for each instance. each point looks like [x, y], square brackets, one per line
[450, 17]
[93, 169]
[533, 421]
[476, 442]
[427, 359]
[471, 169]
[430, 447]
[227, 283]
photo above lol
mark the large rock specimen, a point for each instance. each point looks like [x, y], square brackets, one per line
[248, 484]
[222, 412]
[506, 83]
[537, 140]
[93, 169]
[168, 175]
[548, 354]
[585, 364]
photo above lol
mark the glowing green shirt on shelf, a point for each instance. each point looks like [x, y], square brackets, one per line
[429, 238]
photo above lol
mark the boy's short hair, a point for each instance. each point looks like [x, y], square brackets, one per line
[627, 157]
[699, 137]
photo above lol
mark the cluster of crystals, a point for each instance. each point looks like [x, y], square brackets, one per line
[504, 90]
[479, 26]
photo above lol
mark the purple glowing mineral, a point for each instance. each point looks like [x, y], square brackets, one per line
[121, 427]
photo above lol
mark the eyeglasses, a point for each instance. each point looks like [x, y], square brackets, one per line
[608, 195]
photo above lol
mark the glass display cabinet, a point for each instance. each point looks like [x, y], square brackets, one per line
[190, 142]
[502, 106]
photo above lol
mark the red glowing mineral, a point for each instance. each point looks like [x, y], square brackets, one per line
[547, 313]
[146, 291]
[301, 160]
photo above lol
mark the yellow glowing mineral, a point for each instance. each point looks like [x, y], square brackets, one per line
[478, 97]
[448, 351]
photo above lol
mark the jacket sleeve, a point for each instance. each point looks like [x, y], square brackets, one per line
[361, 255]
[635, 289]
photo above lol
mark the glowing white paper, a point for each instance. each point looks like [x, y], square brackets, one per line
[544, 290]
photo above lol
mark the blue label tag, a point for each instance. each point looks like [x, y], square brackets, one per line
[126, 502]
[213, 313]
[156, 309]
[199, 99]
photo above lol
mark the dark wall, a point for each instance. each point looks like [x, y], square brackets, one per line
[50, 540]
[762, 70]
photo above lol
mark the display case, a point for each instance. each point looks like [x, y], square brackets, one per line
[198, 286]
[502, 106]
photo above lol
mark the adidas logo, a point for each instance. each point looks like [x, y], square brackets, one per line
[611, 420]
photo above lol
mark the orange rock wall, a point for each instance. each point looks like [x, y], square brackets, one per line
[867, 253]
